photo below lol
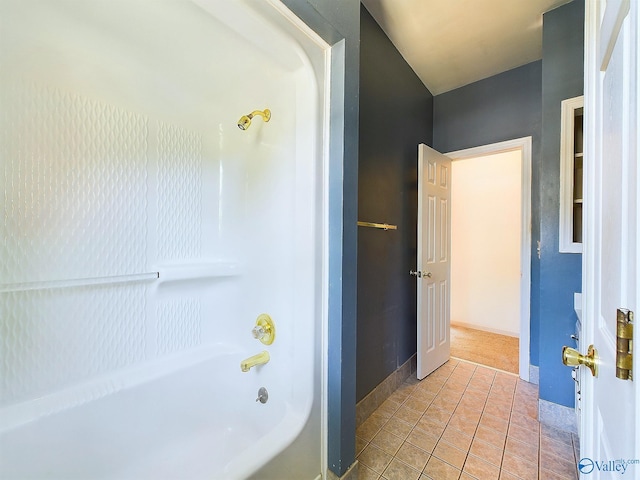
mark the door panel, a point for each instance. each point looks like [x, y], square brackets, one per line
[609, 420]
[434, 266]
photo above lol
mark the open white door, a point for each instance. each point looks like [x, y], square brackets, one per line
[611, 267]
[434, 260]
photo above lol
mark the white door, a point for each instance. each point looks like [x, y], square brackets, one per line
[611, 267]
[434, 262]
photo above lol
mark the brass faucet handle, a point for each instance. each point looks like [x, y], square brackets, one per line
[265, 329]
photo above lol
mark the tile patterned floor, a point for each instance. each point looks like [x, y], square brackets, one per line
[466, 422]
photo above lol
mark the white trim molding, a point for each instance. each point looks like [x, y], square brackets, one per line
[567, 174]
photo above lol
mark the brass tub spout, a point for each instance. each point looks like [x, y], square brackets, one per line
[258, 359]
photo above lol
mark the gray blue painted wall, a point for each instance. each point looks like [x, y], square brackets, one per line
[396, 111]
[499, 108]
[338, 22]
[560, 273]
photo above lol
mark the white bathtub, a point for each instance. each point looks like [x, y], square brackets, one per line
[191, 422]
[144, 233]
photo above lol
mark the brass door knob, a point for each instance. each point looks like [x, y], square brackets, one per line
[571, 357]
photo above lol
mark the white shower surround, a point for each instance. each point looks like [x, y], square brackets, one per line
[144, 233]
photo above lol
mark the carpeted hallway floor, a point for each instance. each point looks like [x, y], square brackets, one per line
[485, 348]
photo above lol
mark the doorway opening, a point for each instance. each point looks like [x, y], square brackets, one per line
[491, 251]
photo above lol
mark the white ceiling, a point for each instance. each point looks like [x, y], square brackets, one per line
[451, 43]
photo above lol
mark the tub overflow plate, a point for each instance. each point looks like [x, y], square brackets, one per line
[263, 395]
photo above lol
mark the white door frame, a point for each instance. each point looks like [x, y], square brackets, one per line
[524, 146]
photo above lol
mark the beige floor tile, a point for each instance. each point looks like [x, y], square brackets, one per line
[525, 422]
[444, 404]
[461, 377]
[458, 383]
[450, 454]
[490, 436]
[463, 423]
[484, 372]
[473, 414]
[374, 458]
[442, 372]
[475, 396]
[407, 415]
[417, 404]
[432, 383]
[407, 386]
[497, 410]
[524, 435]
[526, 451]
[360, 444]
[387, 442]
[423, 395]
[369, 428]
[527, 388]
[466, 366]
[413, 456]
[555, 434]
[519, 467]
[453, 386]
[504, 475]
[530, 411]
[480, 469]
[398, 427]
[436, 469]
[422, 440]
[560, 466]
[431, 427]
[479, 385]
[457, 438]
[388, 408]
[486, 451]
[501, 401]
[435, 414]
[365, 473]
[547, 475]
[452, 390]
[397, 470]
[559, 449]
[496, 423]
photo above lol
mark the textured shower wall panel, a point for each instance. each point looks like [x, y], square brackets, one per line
[96, 199]
[54, 339]
[74, 179]
[179, 193]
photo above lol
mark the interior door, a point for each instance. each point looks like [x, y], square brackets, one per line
[611, 268]
[434, 260]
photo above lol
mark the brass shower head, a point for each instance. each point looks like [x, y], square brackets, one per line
[245, 121]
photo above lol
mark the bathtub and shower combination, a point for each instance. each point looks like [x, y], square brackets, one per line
[162, 283]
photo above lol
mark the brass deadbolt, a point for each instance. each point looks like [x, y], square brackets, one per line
[572, 358]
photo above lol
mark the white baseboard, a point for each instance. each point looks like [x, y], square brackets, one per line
[485, 329]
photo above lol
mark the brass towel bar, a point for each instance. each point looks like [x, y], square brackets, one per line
[382, 226]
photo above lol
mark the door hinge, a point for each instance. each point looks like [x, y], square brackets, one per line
[538, 249]
[624, 344]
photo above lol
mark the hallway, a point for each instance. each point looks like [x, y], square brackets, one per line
[463, 422]
[486, 348]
